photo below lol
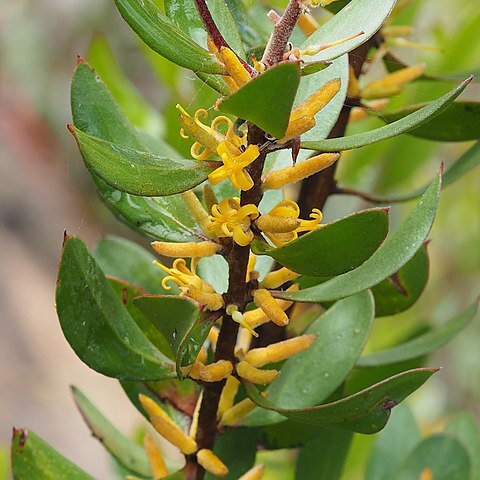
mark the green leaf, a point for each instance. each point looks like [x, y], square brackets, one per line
[359, 16]
[324, 457]
[266, 100]
[325, 119]
[464, 427]
[125, 451]
[137, 109]
[403, 125]
[96, 113]
[393, 444]
[139, 172]
[400, 291]
[444, 455]
[316, 373]
[96, 324]
[287, 434]
[128, 261]
[422, 345]
[388, 259]
[363, 412]
[33, 458]
[237, 449]
[334, 248]
[181, 322]
[460, 122]
[164, 37]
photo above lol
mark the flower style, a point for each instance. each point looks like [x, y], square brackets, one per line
[234, 162]
[229, 219]
[282, 225]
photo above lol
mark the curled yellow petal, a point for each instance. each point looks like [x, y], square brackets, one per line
[186, 249]
[267, 303]
[255, 473]
[201, 133]
[237, 412]
[299, 171]
[227, 397]
[276, 352]
[215, 372]
[278, 277]
[256, 375]
[159, 469]
[234, 67]
[211, 463]
[174, 435]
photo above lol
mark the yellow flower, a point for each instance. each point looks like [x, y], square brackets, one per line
[282, 225]
[208, 137]
[229, 219]
[234, 162]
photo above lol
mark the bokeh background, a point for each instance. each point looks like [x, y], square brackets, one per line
[44, 190]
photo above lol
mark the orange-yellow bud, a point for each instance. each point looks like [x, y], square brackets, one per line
[255, 375]
[237, 412]
[186, 249]
[234, 67]
[277, 278]
[267, 303]
[307, 24]
[211, 463]
[159, 469]
[215, 372]
[274, 224]
[227, 397]
[174, 435]
[255, 473]
[153, 409]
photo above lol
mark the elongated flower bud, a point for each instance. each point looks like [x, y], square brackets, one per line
[237, 412]
[153, 409]
[255, 473]
[212, 301]
[307, 24]
[255, 375]
[360, 113]
[196, 209]
[300, 171]
[278, 277]
[267, 303]
[234, 67]
[216, 371]
[194, 425]
[244, 340]
[213, 337]
[227, 398]
[211, 463]
[186, 249]
[276, 352]
[159, 469]
[274, 224]
[174, 435]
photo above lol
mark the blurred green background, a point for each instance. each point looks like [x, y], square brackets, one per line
[45, 189]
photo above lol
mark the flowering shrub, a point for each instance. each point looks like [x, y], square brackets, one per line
[248, 330]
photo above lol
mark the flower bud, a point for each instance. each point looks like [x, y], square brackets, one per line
[174, 435]
[278, 277]
[159, 469]
[215, 372]
[227, 397]
[186, 249]
[255, 375]
[267, 303]
[237, 412]
[255, 473]
[153, 409]
[234, 67]
[274, 224]
[211, 463]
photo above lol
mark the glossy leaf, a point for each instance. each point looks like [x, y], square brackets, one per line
[139, 172]
[324, 457]
[465, 428]
[325, 119]
[395, 252]
[310, 377]
[33, 458]
[403, 125]
[164, 37]
[181, 322]
[400, 291]
[357, 17]
[128, 261]
[363, 412]
[445, 456]
[128, 453]
[335, 248]
[288, 434]
[393, 444]
[96, 112]
[237, 449]
[460, 122]
[267, 99]
[96, 324]
[422, 345]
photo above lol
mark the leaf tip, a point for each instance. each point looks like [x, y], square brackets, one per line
[66, 237]
[22, 436]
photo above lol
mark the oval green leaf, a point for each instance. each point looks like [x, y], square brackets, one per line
[181, 322]
[363, 412]
[388, 259]
[96, 324]
[401, 290]
[164, 37]
[96, 113]
[403, 125]
[333, 249]
[266, 100]
[460, 122]
[342, 332]
[357, 17]
[422, 345]
[33, 458]
[138, 172]
[131, 455]
[445, 456]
